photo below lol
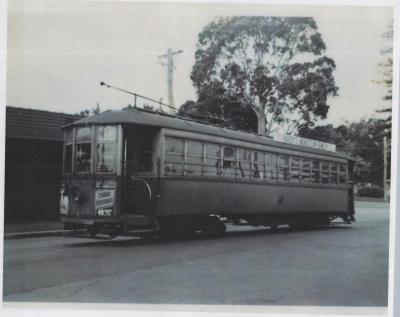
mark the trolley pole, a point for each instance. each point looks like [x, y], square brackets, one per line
[169, 56]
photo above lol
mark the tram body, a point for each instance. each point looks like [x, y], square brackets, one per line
[138, 171]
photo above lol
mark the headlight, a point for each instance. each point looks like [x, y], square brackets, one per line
[104, 212]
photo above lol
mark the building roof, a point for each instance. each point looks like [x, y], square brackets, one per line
[36, 124]
[144, 117]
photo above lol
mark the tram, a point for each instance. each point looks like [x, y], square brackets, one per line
[137, 171]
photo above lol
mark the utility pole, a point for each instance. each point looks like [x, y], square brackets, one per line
[169, 56]
[385, 182]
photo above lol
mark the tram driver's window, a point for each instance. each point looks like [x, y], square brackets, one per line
[106, 144]
[83, 150]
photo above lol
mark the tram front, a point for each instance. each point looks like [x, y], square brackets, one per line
[99, 190]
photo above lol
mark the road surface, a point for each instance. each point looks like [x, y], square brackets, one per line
[336, 266]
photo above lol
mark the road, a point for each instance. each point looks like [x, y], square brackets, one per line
[336, 266]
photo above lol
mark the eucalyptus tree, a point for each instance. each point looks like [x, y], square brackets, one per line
[275, 66]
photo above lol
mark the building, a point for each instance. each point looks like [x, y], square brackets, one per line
[33, 161]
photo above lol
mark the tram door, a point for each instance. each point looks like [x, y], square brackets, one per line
[138, 168]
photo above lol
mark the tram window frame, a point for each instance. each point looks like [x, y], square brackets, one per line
[271, 167]
[294, 171]
[333, 173]
[245, 160]
[283, 169]
[325, 173]
[305, 170]
[229, 163]
[258, 170]
[315, 171]
[212, 170]
[68, 157]
[193, 169]
[106, 142]
[80, 142]
[342, 174]
[180, 156]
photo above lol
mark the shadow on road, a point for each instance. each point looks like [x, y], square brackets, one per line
[102, 241]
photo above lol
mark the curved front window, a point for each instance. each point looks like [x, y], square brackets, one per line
[106, 149]
[91, 149]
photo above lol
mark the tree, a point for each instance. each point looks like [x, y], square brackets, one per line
[387, 70]
[272, 66]
[362, 140]
[87, 112]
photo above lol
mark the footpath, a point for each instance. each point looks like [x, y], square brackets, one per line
[34, 229]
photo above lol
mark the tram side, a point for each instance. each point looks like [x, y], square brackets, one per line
[205, 175]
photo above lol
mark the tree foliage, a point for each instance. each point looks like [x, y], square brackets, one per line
[272, 66]
[362, 140]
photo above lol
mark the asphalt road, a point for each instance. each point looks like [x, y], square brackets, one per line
[337, 266]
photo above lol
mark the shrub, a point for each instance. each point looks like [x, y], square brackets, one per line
[370, 191]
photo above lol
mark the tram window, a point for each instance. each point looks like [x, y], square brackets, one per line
[342, 174]
[174, 146]
[83, 157]
[105, 157]
[229, 162]
[270, 166]
[68, 159]
[244, 165]
[213, 158]
[324, 172]
[283, 168]
[106, 139]
[194, 158]
[333, 173]
[294, 169]
[173, 164]
[258, 165]
[305, 170]
[316, 172]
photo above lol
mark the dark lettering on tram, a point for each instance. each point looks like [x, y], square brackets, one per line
[136, 171]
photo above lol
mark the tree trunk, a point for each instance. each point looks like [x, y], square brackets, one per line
[260, 112]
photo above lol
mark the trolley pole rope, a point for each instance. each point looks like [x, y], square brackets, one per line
[102, 83]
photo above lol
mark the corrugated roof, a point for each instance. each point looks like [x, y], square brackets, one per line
[138, 116]
[36, 124]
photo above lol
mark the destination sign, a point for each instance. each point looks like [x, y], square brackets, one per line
[104, 198]
[291, 139]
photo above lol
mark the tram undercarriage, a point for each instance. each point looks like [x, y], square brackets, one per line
[182, 226]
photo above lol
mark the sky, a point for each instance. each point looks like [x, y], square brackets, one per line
[59, 53]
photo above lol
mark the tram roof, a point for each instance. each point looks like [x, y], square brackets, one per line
[150, 118]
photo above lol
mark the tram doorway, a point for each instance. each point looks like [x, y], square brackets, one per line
[139, 169]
